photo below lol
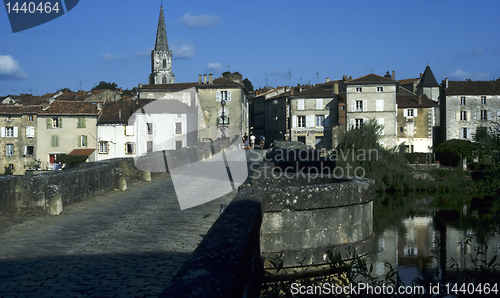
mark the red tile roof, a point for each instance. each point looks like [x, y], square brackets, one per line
[61, 107]
[85, 152]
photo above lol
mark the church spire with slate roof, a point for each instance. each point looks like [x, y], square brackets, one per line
[428, 85]
[161, 56]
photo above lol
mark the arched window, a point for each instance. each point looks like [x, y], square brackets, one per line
[164, 80]
[164, 63]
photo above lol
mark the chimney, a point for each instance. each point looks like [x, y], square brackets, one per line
[421, 75]
[291, 92]
[336, 88]
[120, 114]
[446, 83]
[420, 99]
[210, 79]
[327, 80]
[350, 78]
[204, 79]
[393, 75]
[199, 79]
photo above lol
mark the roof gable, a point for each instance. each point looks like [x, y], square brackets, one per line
[428, 79]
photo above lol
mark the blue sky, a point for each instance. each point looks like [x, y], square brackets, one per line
[112, 40]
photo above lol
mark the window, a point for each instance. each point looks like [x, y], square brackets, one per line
[342, 108]
[484, 114]
[30, 131]
[358, 122]
[9, 131]
[54, 142]
[129, 130]
[380, 89]
[179, 116]
[150, 128]
[301, 121]
[320, 120]
[359, 89]
[56, 122]
[82, 141]
[81, 122]
[223, 95]
[129, 148]
[379, 105]
[359, 105]
[401, 129]
[462, 100]
[164, 63]
[178, 128]
[30, 118]
[164, 80]
[9, 118]
[29, 151]
[9, 150]
[11, 166]
[149, 146]
[464, 133]
[103, 148]
[463, 115]
[178, 145]
[410, 113]
[483, 100]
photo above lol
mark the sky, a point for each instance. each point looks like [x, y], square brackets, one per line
[273, 43]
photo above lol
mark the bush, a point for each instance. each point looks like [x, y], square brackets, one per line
[389, 169]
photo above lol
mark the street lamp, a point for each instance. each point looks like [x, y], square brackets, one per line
[223, 118]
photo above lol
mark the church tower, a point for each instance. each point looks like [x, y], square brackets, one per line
[161, 57]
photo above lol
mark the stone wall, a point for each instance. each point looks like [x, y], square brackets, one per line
[50, 192]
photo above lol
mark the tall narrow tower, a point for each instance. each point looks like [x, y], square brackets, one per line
[161, 57]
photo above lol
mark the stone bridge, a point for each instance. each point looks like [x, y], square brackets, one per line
[117, 244]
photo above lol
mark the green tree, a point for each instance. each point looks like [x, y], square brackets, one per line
[360, 147]
[452, 152]
[248, 85]
[105, 85]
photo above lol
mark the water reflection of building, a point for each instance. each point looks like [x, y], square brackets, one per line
[413, 246]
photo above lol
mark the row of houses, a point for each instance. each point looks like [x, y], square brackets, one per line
[418, 112]
[161, 117]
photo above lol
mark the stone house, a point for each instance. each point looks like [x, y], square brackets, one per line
[208, 97]
[64, 126]
[415, 120]
[373, 97]
[18, 137]
[467, 106]
[116, 138]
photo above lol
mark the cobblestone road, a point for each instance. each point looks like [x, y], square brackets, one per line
[120, 244]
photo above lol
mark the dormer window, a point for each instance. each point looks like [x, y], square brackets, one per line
[359, 89]
[380, 89]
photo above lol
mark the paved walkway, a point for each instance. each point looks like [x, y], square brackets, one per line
[120, 244]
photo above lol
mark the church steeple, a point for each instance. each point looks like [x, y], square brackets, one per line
[161, 34]
[161, 56]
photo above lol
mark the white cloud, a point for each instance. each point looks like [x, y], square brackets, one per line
[199, 21]
[462, 75]
[214, 67]
[184, 50]
[112, 57]
[10, 69]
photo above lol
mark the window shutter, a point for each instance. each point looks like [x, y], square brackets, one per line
[60, 122]
[183, 143]
[365, 108]
[78, 141]
[16, 131]
[173, 128]
[381, 122]
[49, 122]
[25, 150]
[85, 141]
[415, 112]
[353, 106]
[498, 114]
[228, 95]
[379, 105]
[300, 104]
[2, 132]
[405, 112]
[310, 121]
[217, 96]
[478, 115]
[457, 116]
[294, 122]
[183, 128]
[145, 128]
[154, 129]
[490, 116]
[351, 122]
[468, 133]
[319, 103]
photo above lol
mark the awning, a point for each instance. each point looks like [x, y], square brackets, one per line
[86, 152]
